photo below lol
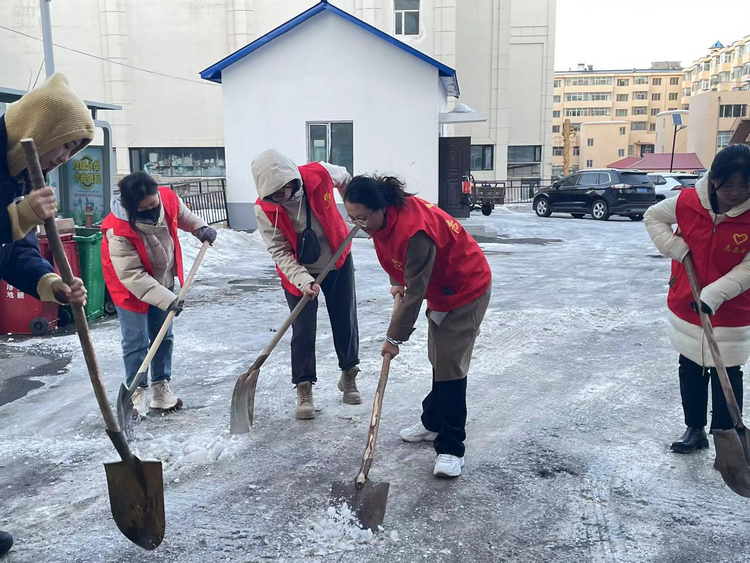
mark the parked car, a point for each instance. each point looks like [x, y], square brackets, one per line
[670, 185]
[599, 193]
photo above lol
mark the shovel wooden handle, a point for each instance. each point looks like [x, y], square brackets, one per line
[726, 385]
[377, 406]
[170, 317]
[61, 260]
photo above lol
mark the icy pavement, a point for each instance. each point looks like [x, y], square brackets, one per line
[573, 401]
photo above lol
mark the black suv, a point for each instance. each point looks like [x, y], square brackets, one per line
[600, 193]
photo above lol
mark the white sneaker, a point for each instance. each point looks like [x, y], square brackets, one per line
[140, 402]
[417, 433]
[162, 397]
[448, 465]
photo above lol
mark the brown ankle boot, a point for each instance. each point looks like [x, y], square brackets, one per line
[305, 405]
[348, 386]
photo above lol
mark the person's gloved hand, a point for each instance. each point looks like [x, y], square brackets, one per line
[73, 294]
[705, 308]
[176, 306]
[206, 234]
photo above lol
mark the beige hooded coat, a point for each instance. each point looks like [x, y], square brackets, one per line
[272, 170]
[688, 339]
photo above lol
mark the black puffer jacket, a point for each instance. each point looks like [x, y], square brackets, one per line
[21, 265]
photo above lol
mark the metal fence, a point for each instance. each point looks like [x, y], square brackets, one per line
[500, 192]
[205, 198]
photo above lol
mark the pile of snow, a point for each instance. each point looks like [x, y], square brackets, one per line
[176, 453]
[336, 532]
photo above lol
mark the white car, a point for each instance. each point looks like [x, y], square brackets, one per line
[670, 185]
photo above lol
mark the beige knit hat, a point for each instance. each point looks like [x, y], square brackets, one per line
[52, 115]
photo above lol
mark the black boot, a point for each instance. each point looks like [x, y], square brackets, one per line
[693, 439]
[6, 542]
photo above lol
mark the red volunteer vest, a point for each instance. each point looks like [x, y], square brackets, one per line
[461, 273]
[715, 254]
[120, 294]
[319, 190]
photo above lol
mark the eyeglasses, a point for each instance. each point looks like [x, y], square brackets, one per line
[361, 223]
[739, 190]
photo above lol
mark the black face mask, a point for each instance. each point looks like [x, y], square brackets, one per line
[150, 216]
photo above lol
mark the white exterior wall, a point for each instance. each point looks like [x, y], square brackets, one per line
[332, 71]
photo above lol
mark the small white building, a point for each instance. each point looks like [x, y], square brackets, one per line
[327, 86]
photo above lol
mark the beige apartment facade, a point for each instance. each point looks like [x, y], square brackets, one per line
[600, 104]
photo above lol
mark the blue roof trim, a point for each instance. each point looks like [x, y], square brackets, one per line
[447, 75]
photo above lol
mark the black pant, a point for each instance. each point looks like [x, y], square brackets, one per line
[341, 302]
[444, 412]
[694, 391]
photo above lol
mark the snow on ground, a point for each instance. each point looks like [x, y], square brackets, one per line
[573, 401]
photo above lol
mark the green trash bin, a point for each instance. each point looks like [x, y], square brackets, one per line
[90, 254]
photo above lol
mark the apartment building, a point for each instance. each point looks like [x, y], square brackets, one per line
[612, 112]
[724, 69]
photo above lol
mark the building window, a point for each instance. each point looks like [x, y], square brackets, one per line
[589, 164]
[599, 112]
[706, 66]
[671, 109]
[556, 114]
[576, 112]
[482, 157]
[722, 139]
[686, 106]
[621, 112]
[638, 126]
[640, 80]
[673, 96]
[557, 151]
[652, 127]
[705, 85]
[686, 92]
[589, 142]
[556, 99]
[524, 161]
[623, 81]
[623, 130]
[555, 128]
[331, 142]
[181, 162]
[654, 111]
[576, 151]
[558, 83]
[655, 97]
[724, 76]
[622, 97]
[732, 110]
[647, 149]
[407, 17]
[620, 152]
[674, 81]
[588, 97]
[640, 110]
[575, 127]
[557, 172]
[630, 150]
[640, 95]
[589, 81]
[656, 82]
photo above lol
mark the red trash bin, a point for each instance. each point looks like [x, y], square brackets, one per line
[65, 314]
[20, 313]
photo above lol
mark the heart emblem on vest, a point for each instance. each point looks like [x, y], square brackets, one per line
[739, 238]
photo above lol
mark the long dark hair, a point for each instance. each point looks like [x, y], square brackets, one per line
[729, 161]
[133, 189]
[376, 192]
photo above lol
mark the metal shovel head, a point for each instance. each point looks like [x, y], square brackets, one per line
[243, 403]
[125, 409]
[136, 495]
[732, 455]
[367, 502]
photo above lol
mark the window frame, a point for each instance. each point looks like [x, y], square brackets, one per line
[402, 13]
[329, 145]
[485, 166]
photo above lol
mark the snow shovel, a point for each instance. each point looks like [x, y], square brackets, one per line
[125, 396]
[243, 397]
[136, 488]
[366, 498]
[732, 446]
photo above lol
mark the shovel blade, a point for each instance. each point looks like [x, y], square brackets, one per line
[367, 503]
[136, 496]
[732, 455]
[125, 409]
[243, 403]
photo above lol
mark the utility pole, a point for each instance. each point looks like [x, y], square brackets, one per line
[49, 56]
[566, 147]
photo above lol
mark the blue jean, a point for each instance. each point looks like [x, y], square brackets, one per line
[138, 332]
